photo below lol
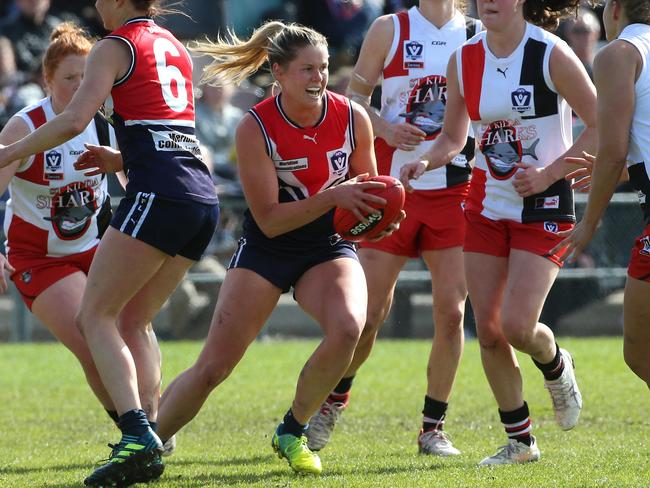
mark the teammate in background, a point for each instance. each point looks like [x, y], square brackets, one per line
[296, 153]
[410, 50]
[514, 81]
[55, 215]
[160, 228]
[623, 137]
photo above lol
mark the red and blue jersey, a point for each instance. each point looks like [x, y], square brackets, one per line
[153, 116]
[307, 160]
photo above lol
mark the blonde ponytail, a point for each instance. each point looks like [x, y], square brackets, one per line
[235, 60]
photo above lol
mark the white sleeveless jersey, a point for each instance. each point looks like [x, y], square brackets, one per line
[53, 208]
[517, 116]
[638, 157]
[414, 88]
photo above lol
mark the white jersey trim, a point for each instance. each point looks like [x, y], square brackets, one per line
[178, 123]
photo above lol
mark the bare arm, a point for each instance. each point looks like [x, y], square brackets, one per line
[367, 71]
[106, 61]
[572, 82]
[362, 159]
[15, 130]
[260, 184]
[615, 111]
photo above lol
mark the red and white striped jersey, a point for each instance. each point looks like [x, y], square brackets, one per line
[53, 208]
[638, 157]
[414, 88]
[307, 160]
[517, 116]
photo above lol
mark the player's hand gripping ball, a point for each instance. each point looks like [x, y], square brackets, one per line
[349, 227]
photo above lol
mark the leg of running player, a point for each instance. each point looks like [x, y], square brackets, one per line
[57, 307]
[381, 270]
[636, 339]
[135, 328]
[334, 293]
[236, 322]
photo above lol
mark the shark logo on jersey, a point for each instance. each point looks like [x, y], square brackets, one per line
[72, 209]
[426, 105]
[338, 161]
[53, 165]
[522, 100]
[413, 55]
[502, 147]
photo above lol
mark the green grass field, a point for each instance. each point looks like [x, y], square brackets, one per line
[53, 431]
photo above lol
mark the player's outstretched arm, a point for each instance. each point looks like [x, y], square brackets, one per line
[104, 64]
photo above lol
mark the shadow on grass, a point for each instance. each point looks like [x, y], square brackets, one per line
[38, 469]
[282, 474]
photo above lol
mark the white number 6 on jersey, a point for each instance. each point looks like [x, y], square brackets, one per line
[168, 73]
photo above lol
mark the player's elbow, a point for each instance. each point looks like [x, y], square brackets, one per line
[72, 124]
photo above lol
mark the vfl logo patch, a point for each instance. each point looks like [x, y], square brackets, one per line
[413, 54]
[645, 240]
[551, 227]
[338, 162]
[522, 100]
[53, 166]
[26, 277]
[292, 164]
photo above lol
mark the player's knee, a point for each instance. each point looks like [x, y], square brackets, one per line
[489, 335]
[637, 360]
[449, 322]
[346, 334]
[375, 317]
[518, 336]
[211, 373]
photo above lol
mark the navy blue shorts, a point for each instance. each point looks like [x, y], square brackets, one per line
[283, 268]
[182, 227]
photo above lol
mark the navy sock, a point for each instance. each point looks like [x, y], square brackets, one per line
[344, 385]
[290, 425]
[153, 425]
[134, 423]
[552, 370]
[434, 414]
[113, 414]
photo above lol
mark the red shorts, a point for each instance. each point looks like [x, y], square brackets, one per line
[434, 220]
[34, 274]
[497, 237]
[639, 267]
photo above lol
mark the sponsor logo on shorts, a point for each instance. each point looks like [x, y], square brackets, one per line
[547, 202]
[645, 240]
[292, 164]
[26, 276]
[551, 227]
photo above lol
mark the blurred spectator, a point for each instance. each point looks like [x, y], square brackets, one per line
[343, 22]
[8, 13]
[14, 92]
[30, 33]
[84, 9]
[216, 122]
[582, 33]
